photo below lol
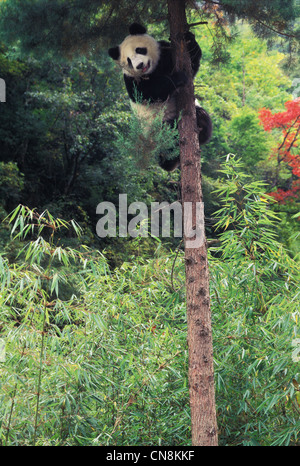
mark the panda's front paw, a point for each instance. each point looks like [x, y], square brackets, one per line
[179, 78]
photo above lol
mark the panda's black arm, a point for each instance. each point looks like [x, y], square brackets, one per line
[194, 51]
[154, 89]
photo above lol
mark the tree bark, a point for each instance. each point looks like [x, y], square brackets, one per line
[201, 374]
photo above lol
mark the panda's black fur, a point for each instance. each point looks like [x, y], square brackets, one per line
[148, 70]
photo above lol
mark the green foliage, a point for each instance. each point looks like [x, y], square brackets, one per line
[83, 370]
[247, 137]
[146, 141]
[61, 27]
[232, 92]
[61, 119]
[288, 229]
[11, 183]
[255, 299]
[95, 356]
[106, 363]
[267, 18]
[64, 141]
[17, 123]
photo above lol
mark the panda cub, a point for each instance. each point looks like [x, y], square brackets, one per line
[148, 71]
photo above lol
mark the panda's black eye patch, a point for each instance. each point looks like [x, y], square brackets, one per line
[129, 62]
[141, 50]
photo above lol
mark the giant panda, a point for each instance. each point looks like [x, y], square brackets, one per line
[151, 81]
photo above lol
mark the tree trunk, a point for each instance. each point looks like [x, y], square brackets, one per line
[201, 375]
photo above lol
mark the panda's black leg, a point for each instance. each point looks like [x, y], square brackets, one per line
[204, 124]
[169, 164]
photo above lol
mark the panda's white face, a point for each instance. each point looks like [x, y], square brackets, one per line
[139, 55]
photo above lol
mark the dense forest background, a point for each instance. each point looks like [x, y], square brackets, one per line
[95, 328]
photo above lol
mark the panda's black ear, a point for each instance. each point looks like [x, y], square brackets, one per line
[114, 53]
[136, 28]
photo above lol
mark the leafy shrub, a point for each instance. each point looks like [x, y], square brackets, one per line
[146, 140]
[84, 370]
[255, 300]
[107, 364]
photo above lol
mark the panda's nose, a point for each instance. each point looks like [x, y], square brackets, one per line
[140, 66]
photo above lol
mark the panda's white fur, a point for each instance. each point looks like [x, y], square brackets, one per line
[145, 111]
[128, 50]
[148, 112]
